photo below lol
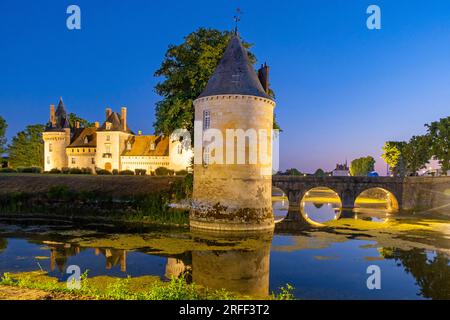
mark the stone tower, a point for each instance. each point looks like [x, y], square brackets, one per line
[232, 193]
[56, 138]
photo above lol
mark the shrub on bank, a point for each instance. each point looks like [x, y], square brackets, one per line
[75, 171]
[181, 173]
[115, 172]
[7, 170]
[126, 173]
[163, 171]
[65, 170]
[140, 172]
[54, 171]
[103, 172]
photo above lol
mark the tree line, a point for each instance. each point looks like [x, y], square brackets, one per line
[407, 158]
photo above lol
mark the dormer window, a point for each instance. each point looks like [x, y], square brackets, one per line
[128, 145]
[86, 140]
[108, 125]
[152, 146]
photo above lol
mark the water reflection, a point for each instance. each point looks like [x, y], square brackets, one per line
[310, 258]
[431, 270]
[245, 270]
[320, 205]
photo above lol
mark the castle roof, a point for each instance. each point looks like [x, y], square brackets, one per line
[61, 118]
[142, 146]
[116, 123]
[234, 74]
[84, 137]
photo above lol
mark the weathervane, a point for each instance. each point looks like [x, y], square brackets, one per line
[237, 19]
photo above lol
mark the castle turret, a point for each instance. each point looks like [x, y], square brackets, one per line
[56, 138]
[233, 165]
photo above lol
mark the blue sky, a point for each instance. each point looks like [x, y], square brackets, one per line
[341, 89]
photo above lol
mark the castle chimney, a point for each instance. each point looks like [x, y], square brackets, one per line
[77, 124]
[97, 124]
[139, 133]
[263, 75]
[108, 113]
[52, 115]
[124, 118]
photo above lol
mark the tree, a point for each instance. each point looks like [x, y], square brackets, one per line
[439, 132]
[362, 166]
[186, 69]
[416, 153]
[27, 147]
[83, 122]
[3, 126]
[292, 172]
[392, 154]
[319, 173]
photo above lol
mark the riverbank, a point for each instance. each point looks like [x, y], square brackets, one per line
[116, 199]
[38, 285]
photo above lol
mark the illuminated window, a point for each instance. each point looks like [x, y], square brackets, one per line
[48, 160]
[50, 147]
[73, 160]
[206, 119]
[108, 138]
[108, 148]
[180, 149]
[93, 160]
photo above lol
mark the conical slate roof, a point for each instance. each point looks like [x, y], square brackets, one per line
[234, 74]
[61, 118]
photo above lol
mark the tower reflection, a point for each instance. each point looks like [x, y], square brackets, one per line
[242, 267]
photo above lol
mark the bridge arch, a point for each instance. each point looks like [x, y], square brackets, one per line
[380, 198]
[320, 205]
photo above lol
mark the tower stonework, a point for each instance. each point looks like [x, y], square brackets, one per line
[56, 138]
[230, 194]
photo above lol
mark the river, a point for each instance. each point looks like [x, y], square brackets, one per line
[322, 252]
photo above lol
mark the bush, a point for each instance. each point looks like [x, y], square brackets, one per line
[7, 170]
[65, 170]
[60, 193]
[29, 169]
[54, 171]
[115, 172]
[126, 173]
[163, 171]
[181, 173]
[86, 170]
[183, 189]
[103, 172]
[75, 171]
[140, 172]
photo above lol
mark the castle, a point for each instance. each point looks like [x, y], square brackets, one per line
[111, 146]
[232, 195]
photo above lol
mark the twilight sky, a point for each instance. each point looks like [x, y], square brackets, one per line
[341, 89]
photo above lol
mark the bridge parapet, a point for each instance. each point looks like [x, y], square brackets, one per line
[348, 188]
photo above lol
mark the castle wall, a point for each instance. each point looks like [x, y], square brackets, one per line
[81, 158]
[116, 144]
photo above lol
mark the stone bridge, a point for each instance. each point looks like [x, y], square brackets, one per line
[348, 188]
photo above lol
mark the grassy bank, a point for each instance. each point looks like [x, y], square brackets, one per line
[122, 200]
[139, 288]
